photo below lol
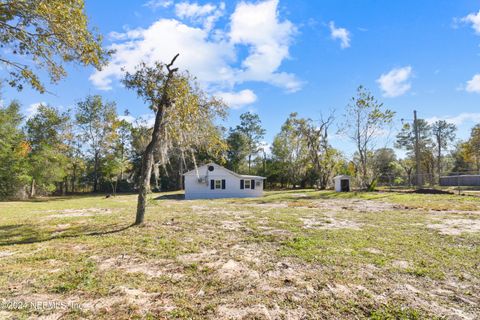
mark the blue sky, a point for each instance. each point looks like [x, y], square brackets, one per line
[277, 57]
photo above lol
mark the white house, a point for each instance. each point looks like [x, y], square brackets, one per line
[212, 181]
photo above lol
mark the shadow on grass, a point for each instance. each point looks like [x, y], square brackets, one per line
[303, 195]
[171, 197]
[29, 233]
[68, 197]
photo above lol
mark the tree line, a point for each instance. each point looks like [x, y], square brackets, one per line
[92, 148]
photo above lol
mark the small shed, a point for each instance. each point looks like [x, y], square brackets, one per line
[342, 183]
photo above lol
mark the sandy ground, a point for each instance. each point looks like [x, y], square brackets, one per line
[251, 282]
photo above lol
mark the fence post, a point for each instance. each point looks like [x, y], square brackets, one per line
[458, 182]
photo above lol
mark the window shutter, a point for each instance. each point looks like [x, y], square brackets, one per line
[212, 184]
[223, 183]
[252, 184]
[242, 184]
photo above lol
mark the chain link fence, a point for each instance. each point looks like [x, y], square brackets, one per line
[452, 181]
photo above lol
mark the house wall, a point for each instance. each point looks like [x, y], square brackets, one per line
[196, 190]
[338, 185]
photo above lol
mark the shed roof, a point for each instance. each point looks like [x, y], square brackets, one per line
[342, 176]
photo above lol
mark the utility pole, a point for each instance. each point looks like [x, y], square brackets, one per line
[419, 181]
[264, 162]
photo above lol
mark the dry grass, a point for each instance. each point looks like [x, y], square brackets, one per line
[289, 255]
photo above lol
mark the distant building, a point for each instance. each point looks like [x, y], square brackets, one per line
[213, 181]
[342, 183]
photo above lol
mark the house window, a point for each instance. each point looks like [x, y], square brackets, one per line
[218, 184]
[248, 184]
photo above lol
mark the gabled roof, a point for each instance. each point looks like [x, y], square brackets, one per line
[241, 176]
[342, 176]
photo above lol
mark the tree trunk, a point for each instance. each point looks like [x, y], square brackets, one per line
[147, 158]
[113, 184]
[144, 187]
[74, 177]
[32, 188]
[439, 164]
[439, 169]
[156, 176]
[180, 176]
[95, 172]
[65, 184]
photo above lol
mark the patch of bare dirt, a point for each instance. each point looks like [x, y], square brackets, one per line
[435, 300]
[129, 264]
[233, 269]
[329, 223]
[272, 205]
[373, 250]
[137, 296]
[231, 225]
[78, 212]
[52, 316]
[340, 290]
[455, 226]
[235, 312]
[401, 264]
[299, 195]
[275, 232]
[123, 296]
[197, 208]
[357, 205]
[250, 253]
[203, 256]
[4, 254]
[259, 311]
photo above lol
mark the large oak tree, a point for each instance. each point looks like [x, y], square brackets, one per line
[184, 116]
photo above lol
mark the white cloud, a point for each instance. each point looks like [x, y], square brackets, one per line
[257, 26]
[208, 53]
[458, 119]
[207, 60]
[142, 120]
[206, 14]
[474, 19]
[155, 4]
[237, 100]
[189, 10]
[127, 35]
[266, 147]
[396, 82]
[127, 118]
[474, 84]
[33, 108]
[341, 34]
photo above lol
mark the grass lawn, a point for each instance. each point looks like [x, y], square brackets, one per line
[289, 255]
